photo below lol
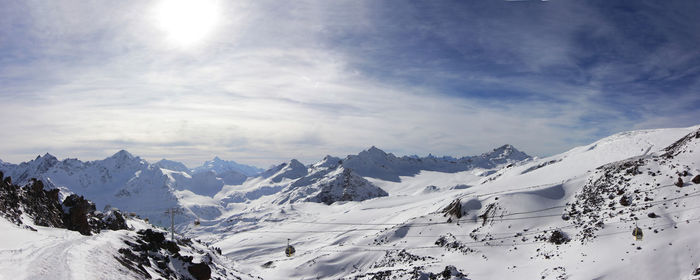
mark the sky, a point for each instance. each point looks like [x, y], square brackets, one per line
[261, 82]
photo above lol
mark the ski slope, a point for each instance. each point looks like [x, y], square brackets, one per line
[51, 253]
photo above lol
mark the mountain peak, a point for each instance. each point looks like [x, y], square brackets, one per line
[328, 161]
[295, 162]
[172, 165]
[506, 152]
[123, 154]
[220, 166]
[47, 156]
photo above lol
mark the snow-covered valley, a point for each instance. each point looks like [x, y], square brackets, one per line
[499, 215]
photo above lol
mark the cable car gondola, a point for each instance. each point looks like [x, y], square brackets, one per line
[289, 251]
[637, 233]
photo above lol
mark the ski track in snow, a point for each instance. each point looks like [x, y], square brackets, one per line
[63, 254]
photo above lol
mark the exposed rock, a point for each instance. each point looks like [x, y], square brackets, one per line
[558, 237]
[200, 271]
[696, 179]
[76, 209]
[679, 183]
[115, 221]
[680, 146]
[625, 201]
[453, 210]
[342, 185]
[451, 271]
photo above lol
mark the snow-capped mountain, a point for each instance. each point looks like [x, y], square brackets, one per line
[131, 183]
[122, 181]
[172, 165]
[495, 216]
[288, 170]
[559, 217]
[378, 164]
[220, 166]
[332, 185]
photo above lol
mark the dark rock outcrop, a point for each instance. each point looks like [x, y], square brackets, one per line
[679, 183]
[39, 204]
[696, 179]
[200, 271]
[76, 211]
[558, 237]
[454, 210]
[43, 207]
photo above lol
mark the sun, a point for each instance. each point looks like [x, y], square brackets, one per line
[187, 22]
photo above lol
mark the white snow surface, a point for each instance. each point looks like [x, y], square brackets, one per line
[54, 253]
[510, 207]
[348, 240]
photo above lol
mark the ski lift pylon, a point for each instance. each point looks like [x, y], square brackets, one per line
[289, 251]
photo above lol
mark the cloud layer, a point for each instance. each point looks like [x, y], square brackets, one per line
[303, 79]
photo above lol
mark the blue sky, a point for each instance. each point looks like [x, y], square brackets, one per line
[264, 81]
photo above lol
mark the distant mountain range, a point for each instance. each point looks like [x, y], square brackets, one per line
[133, 184]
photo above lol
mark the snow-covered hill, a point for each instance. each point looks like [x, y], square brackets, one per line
[46, 238]
[499, 215]
[558, 217]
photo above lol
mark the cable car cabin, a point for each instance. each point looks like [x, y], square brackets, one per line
[290, 251]
[196, 222]
[637, 233]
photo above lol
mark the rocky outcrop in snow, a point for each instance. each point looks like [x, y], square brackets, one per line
[625, 189]
[44, 208]
[329, 186]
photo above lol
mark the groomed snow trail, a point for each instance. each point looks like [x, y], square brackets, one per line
[60, 254]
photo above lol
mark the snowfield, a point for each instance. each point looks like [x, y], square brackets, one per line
[500, 215]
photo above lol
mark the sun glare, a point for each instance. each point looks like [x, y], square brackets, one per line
[187, 22]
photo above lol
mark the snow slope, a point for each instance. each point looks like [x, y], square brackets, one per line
[506, 226]
[44, 238]
[499, 215]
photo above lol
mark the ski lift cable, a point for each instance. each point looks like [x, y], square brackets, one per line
[695, 193]
[485, 243]
[649, 203]
[410, 225]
